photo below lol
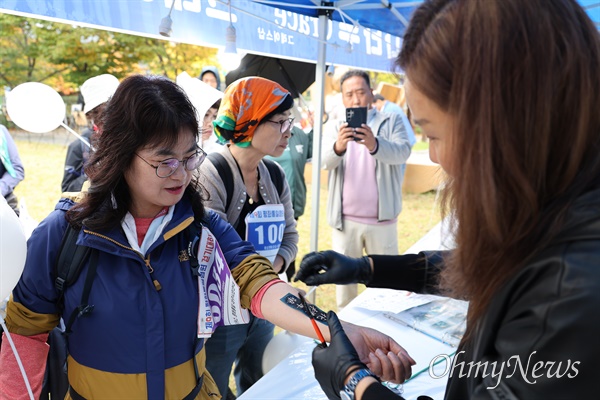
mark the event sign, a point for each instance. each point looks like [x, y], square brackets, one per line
[260, 29]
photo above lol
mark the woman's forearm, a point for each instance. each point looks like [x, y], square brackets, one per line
[286, 317]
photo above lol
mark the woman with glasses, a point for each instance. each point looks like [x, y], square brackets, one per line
[254, 118]
[143, 333]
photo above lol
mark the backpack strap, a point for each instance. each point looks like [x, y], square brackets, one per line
[68, 268]
[225, 173]
[194, 234]
[276, 176]
[84, 308]
[70, 261]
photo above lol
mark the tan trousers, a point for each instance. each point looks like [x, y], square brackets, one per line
[356, 237]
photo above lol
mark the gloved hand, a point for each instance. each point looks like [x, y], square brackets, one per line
[332, 363]
[329, 266]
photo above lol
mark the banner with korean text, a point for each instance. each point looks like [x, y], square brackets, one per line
[260, 29]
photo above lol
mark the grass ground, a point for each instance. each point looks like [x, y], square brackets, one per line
[44, 164]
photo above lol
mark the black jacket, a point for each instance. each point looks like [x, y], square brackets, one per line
[77, 156]
[542, 326]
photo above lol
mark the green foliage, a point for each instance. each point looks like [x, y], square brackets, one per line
[64, 56]
[22, 43]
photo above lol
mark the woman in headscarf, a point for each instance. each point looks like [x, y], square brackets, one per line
[254, 119]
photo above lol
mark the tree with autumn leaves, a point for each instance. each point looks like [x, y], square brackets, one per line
[63, 56]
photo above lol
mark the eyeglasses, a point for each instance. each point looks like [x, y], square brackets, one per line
[167, 167]
[285, 124]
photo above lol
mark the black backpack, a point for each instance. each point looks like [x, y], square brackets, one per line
[226, 175]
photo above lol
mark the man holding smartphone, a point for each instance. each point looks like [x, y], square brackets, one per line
[364, 155]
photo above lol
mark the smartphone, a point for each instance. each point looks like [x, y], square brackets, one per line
[356, 116]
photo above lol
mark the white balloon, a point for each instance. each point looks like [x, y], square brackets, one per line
[279, 348]
[13, 249]
[35, 107]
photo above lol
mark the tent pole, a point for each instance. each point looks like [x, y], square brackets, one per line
[317, 135]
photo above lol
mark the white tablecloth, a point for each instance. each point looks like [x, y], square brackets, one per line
[293, 378]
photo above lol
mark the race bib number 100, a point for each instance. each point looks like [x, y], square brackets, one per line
[264, 229]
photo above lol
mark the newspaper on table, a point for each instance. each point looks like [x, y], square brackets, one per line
[392, 301]
[443, 319]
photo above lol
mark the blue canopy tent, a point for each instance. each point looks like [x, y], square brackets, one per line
[358, 33]
[261, 29]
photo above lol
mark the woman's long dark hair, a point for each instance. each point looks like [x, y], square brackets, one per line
[522, 79]
[144, 111]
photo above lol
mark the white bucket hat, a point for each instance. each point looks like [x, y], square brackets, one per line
[98, 90]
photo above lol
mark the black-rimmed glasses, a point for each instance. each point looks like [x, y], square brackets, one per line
[285, 124]
[167, 167]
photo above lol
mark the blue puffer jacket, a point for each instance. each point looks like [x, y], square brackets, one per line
[137, 342]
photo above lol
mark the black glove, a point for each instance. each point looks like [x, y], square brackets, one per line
[328, 266]
[332, 363]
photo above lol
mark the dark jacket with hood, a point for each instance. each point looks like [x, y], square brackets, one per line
[77, 155]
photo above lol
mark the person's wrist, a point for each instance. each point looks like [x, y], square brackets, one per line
[362, 386]
[374, 151]
[279, 264]
[357, 382]
[337, 149]
[365, 270]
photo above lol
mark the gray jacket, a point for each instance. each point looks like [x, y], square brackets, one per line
[392, 153]
[9, 155]
[213, 184]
